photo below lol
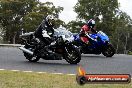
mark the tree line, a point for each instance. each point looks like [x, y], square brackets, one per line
[24, 14]
[28, 14]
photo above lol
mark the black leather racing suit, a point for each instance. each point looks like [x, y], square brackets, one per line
[44, 26]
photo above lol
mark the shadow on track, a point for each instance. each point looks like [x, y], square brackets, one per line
[95, 56]
[49, 63]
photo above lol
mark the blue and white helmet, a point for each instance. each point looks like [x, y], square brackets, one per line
[91, 23]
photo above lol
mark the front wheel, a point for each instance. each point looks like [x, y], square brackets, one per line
[108, 51]
[72, 56]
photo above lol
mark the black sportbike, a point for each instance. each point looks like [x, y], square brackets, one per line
[34, 49]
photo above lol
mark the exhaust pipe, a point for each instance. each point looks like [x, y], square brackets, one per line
[26, 50]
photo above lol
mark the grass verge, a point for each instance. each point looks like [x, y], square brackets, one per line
[130, 53]
[9, 79]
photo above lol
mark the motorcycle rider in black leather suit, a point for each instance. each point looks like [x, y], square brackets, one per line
[47, 24]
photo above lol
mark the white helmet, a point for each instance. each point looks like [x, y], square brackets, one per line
[50, 19]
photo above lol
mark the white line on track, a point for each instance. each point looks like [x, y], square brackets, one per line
[2, 69]
[57, 73]
[40, 72]
[70, 74]
[15, 70]
[27, 71]
[37, 72]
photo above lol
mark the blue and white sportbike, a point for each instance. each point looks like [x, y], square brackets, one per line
[99, 43]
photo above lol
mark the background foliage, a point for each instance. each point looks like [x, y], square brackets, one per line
[26, 14]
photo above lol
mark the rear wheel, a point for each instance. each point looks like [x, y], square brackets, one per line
[108, 51]
[30, 57]
[72, 56]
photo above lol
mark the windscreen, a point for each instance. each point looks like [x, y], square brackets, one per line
[61, 31]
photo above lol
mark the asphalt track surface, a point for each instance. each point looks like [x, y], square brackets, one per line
[13, 59]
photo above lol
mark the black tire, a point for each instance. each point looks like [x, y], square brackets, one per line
[72, 56]
[108, 51]
[30, 57]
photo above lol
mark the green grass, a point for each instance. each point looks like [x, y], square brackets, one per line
[10, 79]
[130, 53]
